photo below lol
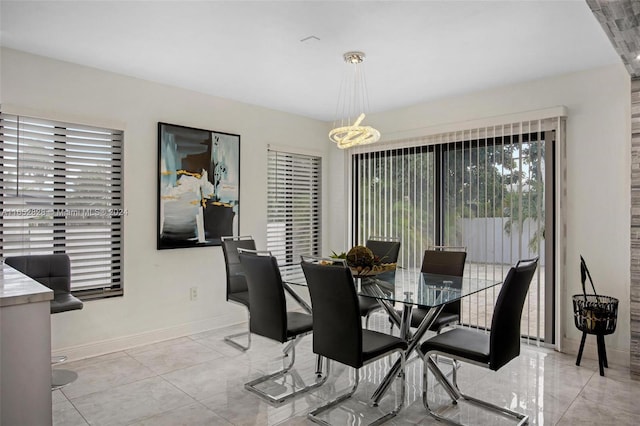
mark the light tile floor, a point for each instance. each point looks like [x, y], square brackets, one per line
[198, 380]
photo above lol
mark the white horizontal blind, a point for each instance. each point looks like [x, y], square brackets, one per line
[293, 208]
[61, 192]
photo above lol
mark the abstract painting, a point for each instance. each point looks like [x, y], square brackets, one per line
[198, 186]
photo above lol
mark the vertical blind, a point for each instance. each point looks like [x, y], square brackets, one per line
[489, 190]
[61, 192]
[293, 208]
[383, 182]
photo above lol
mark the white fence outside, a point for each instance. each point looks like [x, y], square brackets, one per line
[487, 241]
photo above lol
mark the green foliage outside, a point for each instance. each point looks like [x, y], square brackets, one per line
[397, 191]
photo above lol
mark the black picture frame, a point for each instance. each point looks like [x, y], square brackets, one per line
[198, 186]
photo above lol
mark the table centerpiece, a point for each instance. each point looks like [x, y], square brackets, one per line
[363, 262]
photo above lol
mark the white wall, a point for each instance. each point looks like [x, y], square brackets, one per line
[598, 179]
[156, 303]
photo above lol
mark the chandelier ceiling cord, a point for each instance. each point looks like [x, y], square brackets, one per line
[350, 111]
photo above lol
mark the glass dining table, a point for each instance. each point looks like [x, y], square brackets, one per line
[408, 289]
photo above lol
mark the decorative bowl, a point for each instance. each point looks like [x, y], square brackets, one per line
[369, 271]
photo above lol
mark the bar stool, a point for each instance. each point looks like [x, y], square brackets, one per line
[53, 271]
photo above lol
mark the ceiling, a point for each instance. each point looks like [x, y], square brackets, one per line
[254, 51]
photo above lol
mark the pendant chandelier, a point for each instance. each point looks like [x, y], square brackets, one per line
[350, 111]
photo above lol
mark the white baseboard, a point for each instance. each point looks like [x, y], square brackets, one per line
[614, 356]
[74, 353]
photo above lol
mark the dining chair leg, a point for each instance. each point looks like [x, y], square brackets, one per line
[319, 362]
[403, 390]
[425, 396]
[252, 386]
[313, 415]
[454, 372]
[450, 388]
[287, 348]
[522, 418]
[366, 321]
[230, 340]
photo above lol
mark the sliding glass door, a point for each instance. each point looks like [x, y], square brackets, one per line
[493, 204]
[487, 192]
[396, 196]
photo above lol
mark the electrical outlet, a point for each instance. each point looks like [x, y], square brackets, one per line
[193, 293]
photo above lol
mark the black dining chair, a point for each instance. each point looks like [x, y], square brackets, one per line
[337, 328]
[269, 318]
[237, 291]
[54, 272]
[441, 260]
[387, 249]
[493, 350]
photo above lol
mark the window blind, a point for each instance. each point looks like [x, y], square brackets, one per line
[61, 192]
[489, 189]
[293, 208]
[394, 196]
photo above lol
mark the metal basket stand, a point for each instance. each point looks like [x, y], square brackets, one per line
[594, 314]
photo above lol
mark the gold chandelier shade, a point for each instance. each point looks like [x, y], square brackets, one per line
[351, 103]
[348, 136]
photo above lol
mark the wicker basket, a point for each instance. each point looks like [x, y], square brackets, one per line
[595, 314]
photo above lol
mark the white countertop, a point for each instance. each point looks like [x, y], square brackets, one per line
[18, 289]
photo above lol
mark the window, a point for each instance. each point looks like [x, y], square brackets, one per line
[385, 180]
[61, 192]
[293, 208]
[489, 190]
